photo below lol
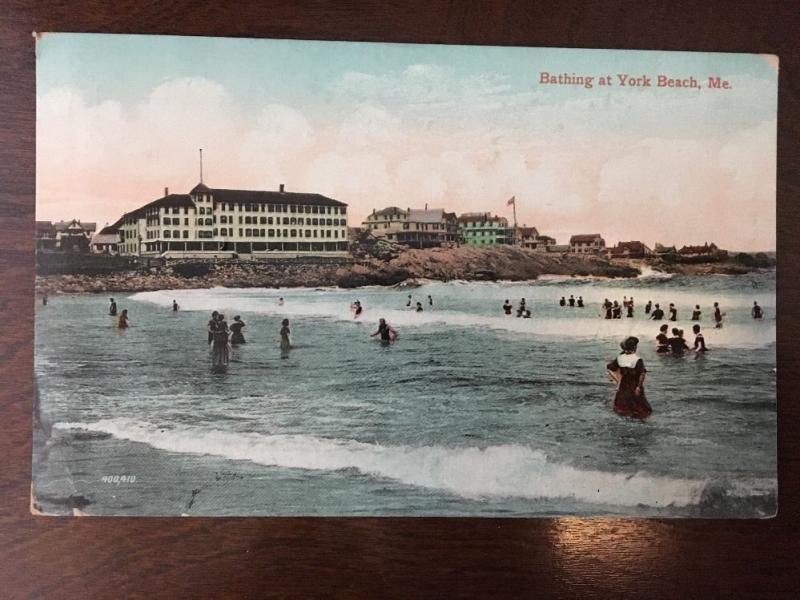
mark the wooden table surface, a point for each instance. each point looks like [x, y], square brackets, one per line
[156, 557]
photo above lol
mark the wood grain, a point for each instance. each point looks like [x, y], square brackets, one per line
[121, 558]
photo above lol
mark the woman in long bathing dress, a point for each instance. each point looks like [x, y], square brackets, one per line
[286, 341]
[220, 346]
[628, 372]
[237, 336]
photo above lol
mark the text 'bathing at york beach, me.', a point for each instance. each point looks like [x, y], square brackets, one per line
[632, 81]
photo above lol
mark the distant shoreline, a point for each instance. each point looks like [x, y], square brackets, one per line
[438, 264]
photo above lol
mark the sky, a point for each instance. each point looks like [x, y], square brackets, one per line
[464, 128]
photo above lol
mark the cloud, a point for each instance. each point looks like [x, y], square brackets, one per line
[613, 164]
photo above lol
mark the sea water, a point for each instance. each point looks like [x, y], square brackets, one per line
[469, 412]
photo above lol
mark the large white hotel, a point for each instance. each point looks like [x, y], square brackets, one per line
[219, 223]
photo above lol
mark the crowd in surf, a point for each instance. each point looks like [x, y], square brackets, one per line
[627, 371]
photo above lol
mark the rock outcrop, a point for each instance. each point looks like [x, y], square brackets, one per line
[443, 264]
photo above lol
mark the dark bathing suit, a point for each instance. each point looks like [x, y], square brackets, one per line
[700, 343]
[663, 344]
[677, 345]
[386, 332]
[626, 402]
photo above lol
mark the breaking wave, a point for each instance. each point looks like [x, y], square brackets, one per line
[471, 472]
[587, 324]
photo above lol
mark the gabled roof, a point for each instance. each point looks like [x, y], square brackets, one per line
[105, 238]
[584, 237]
[200, 188]
[389, 210]
[431, 215]
[528, 232]
[259, 197]
[168, 201]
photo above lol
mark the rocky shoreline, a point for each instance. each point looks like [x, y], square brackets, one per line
[406, 267]
[442, 264]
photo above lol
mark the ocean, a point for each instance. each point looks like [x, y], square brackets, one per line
[468, 413]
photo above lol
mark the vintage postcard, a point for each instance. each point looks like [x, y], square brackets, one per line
[355, 279]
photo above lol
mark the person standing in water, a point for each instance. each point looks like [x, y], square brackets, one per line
[717, 316]
[673, 312]
[430, 300]
[507, 308]
[112, 308]
[419, 307]
[286, 340]
[387, 333]
[408, 302]
[699, 340]
[609, 309]
[212, 325]
[562, 302]
[696, 313]
[220, 346]
[580, 301]
[757, 312]
[527, 314]
[630, 308]
[648, 307]
[236, 331]
[662, 340]
[174, 306]
[628, 372]
[677, 344]
[280, 301]
[358, 310]
[571, 301]
[657, 314]
[44, 299]
[123, 322]
[617, 310]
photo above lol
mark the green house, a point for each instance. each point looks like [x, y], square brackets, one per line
[484, 229]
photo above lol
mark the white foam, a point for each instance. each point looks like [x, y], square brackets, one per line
[496, 471]
[585, 324]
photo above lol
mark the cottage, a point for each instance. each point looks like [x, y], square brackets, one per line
[64, 236]
[591, 243]
[633, 249]
[414, 227]
[107, 240]
[529, 237]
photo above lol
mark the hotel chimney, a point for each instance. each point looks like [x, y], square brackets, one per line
[166, 191]
[281, 189]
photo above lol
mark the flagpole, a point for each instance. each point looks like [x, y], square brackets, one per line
[516, 234]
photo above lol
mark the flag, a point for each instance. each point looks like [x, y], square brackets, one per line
[512, 200]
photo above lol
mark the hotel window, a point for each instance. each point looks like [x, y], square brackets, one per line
[248, 232]
[240, 232]
[285, 220]
[315, 233]
[314, 210]
[167, 221]
[176, 234]
[271, 232]
[328, 233]
[292, 208]
[285, 233]
[186, 221]
[263, 232]
[328, 222]
[308, 233]
[292, 221]
[166, 233]
[269, 220]
[240, 219]
[201, 211]
[294, 233]
[270, 208]
[277, 233]
[185, 234]
[308, 209]
[176, 210]
[263, 220]
[315, 221]
[336, 234]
